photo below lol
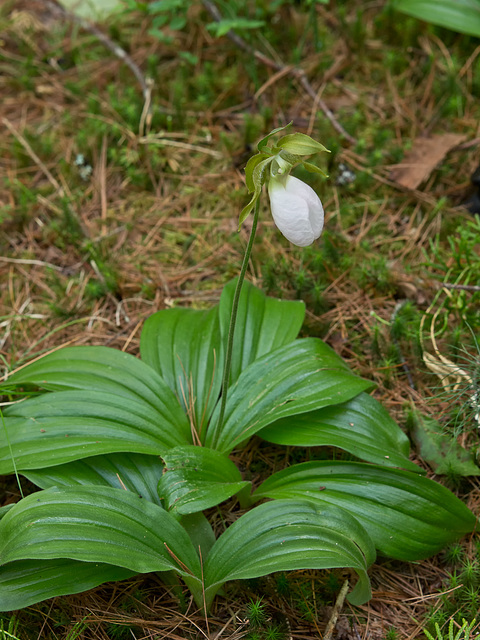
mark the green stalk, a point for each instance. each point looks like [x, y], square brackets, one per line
[233, 317]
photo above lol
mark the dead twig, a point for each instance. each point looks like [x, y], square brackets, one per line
[47, 173]
[330, 628]
[146, 84]
[464, 287]
[40, 263]
[297, 73]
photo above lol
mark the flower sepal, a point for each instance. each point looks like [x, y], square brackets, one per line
[283, 162]
[300, 144]
[255, 177]
[312, 168]
[262, 145]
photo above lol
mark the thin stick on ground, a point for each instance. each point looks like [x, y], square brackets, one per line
[336, 611]
[53, 181]
[463, 287]
[145, 84]
[297, 73]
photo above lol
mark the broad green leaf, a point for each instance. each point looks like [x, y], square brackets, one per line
[184, 347]
[96, 524]
[408, 516]
[135, 472]
[441, 450]
[27, 582]
[263, 324]
[300, 144]
[457, 15]
[200, 531]
[197, 478]
[288, 535]
[361, 426]
[301, 376]
[5, 509]
[62, 426]
[103, 369]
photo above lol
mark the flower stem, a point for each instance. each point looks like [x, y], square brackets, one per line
[233, 317]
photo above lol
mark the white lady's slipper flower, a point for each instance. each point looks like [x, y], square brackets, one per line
[296, 209]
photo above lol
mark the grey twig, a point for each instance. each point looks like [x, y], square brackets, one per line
[465, 287]
[335, 612]
[106, 41]
[297, 73]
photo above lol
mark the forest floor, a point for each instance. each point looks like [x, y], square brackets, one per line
[121, 195]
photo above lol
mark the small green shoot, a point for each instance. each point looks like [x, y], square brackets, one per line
[462, 634]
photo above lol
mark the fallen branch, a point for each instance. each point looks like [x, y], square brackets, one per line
[297, 73]
[145, 83]
[465, 287]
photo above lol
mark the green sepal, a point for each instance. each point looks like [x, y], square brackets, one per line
[257, 179]
[263, 142]
[291, 158]
[300, 144]
[312, 168]
[246, 210]
[258, 173]
[251, 164]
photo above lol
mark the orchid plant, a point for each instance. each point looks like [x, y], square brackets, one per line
[128, 453]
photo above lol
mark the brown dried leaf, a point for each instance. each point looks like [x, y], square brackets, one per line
[423, 157]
